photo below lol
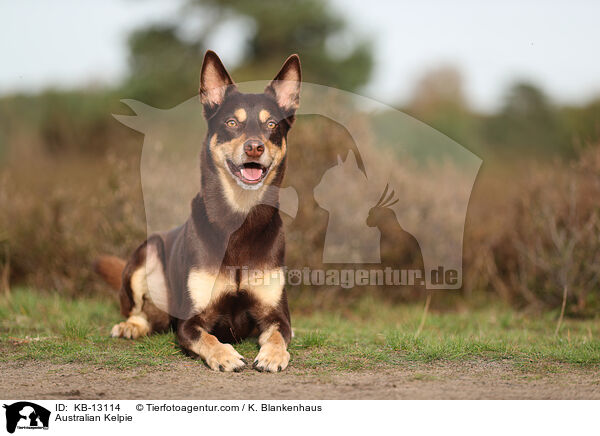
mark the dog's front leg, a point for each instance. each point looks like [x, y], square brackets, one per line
[194, 338]
[272, 318]
[273, 355]
[274, 338]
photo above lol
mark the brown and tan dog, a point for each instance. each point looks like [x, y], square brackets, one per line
[183, 278]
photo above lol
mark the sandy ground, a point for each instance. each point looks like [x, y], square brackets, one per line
[459, 380]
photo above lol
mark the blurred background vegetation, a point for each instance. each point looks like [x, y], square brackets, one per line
[70, 183]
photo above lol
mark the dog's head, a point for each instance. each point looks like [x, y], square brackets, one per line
[247, 133]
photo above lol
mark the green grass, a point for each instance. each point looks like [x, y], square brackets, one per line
[48, 327]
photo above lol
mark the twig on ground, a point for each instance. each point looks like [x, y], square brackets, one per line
[424, 317]
[5, 276]
[562, 310]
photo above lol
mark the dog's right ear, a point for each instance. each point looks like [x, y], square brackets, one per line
[215, 83]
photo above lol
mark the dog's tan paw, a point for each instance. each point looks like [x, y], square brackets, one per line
[223, 357]
[133, 328]
[272, 358]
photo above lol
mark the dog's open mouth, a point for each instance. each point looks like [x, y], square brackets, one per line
[250, 173]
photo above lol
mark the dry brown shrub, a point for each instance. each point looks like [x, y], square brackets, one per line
[535, 231]
[531, 229]
[58, 214]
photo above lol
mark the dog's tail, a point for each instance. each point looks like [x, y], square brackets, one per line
[110, 268]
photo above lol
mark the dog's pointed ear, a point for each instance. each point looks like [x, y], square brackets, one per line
[285, 87]
[215, 83]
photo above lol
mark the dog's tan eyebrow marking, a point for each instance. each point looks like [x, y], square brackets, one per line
[264, 115]
[240, 114]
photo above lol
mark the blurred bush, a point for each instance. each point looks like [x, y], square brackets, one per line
[70, 181]
[533, 231]
[532, 228]
[58, 214]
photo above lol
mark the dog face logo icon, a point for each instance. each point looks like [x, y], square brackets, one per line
[26, 415]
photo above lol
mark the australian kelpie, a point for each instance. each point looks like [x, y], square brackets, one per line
[192, 277]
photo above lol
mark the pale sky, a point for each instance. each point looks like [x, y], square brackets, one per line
[69, 43]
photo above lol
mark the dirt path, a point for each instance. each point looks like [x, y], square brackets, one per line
[460, 380]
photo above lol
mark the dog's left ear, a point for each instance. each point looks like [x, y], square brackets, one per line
[285, 87]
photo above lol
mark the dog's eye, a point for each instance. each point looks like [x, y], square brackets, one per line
[271, 124]
[231, 122]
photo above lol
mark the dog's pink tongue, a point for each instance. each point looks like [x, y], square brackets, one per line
[251, 173]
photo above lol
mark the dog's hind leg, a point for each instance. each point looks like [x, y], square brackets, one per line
[143, 293]
[133, 293]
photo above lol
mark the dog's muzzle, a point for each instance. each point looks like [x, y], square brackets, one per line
[250, 173]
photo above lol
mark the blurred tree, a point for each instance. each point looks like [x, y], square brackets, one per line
[529, 123]
[165, 60]
[583, 122]
[439, 88]
[439, 101]
[163, 67]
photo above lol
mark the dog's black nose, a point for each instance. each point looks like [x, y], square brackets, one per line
[254, 148]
